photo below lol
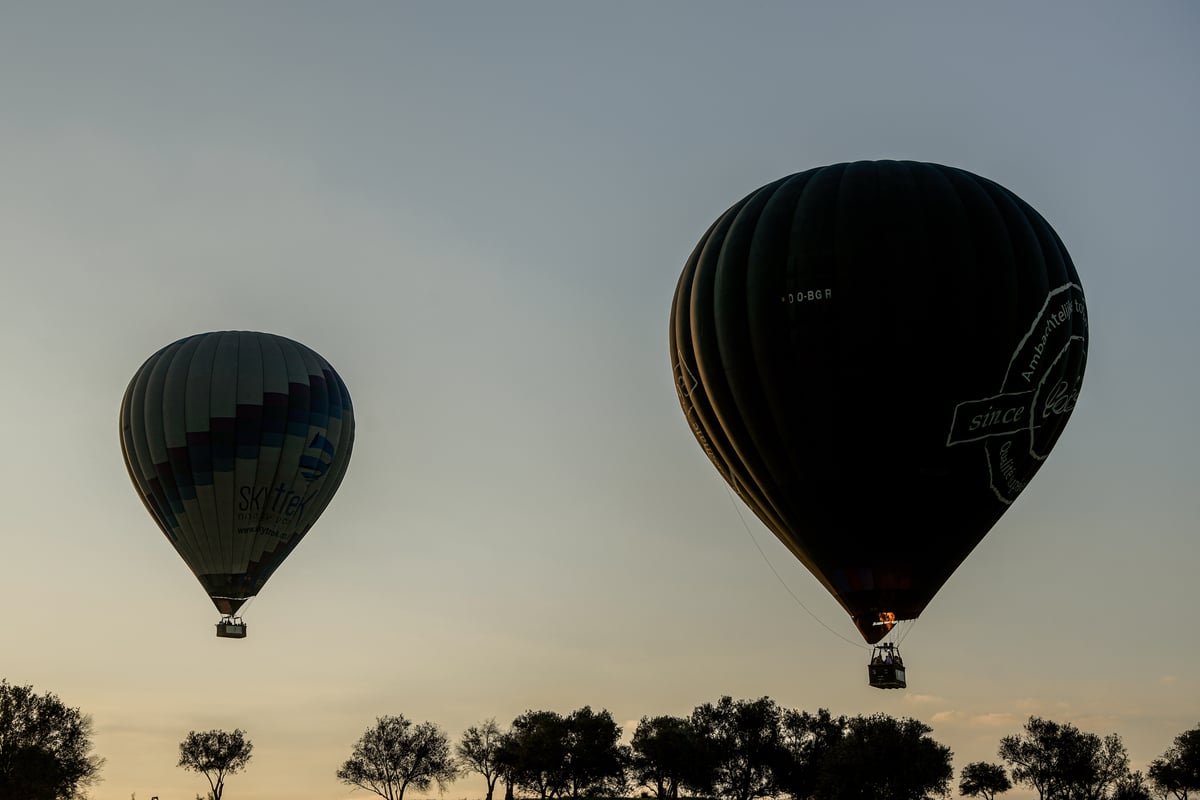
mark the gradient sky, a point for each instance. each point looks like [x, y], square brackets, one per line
[477, 212]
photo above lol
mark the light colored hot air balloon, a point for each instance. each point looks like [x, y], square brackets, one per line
[236, 442]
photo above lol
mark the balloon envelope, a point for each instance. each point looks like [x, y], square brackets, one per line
[877, 357]
[236, 442]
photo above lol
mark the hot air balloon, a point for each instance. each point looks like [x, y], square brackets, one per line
[236, 442]
[877, 357]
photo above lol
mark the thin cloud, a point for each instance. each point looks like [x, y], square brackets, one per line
[1097, 723]
[950, 717]
[989, 720]
[994, 720]
[1058, 711]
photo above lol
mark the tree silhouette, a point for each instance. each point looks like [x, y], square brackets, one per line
[980, 779]
[596, 760]
[667, 754]
[806, 741]
[1131, 787]
[44, 747]
[881, 756]
[743, 742]
[1061, 761]
[534, 753]
[394, 754]
[574, 756]
[1177, 771]
[478, 751]
[215, 754]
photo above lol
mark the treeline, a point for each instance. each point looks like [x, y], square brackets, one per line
[750, 749]
[727, 750]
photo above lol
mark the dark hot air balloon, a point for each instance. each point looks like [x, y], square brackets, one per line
[878, 357]
[236, 442]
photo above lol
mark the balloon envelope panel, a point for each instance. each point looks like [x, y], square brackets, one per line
[236, 442]
[877, 357]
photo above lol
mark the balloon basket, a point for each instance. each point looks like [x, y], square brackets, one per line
[886, 670]
[231, 628]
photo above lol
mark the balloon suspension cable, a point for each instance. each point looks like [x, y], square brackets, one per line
[899, 631]
[779, 577]
[239, 618]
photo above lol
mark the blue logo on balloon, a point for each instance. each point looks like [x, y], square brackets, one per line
[313, 466]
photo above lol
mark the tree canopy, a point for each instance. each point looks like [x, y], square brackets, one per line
[1177, 771]
[579, 755]
[806, 741]
[478, 751]
[742, 740]
[881, 756]
[667, 755]
[394, 754]
[731, 749]
[45, 747]
[215, 754]
[534, 752]
[1131, 787]
[1058, 760]
[596, 760]
[980, 779]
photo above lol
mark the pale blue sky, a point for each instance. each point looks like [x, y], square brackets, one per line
[477, 212]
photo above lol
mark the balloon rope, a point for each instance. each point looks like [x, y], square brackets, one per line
[245, 607]
[779, 577]
[907, 630]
